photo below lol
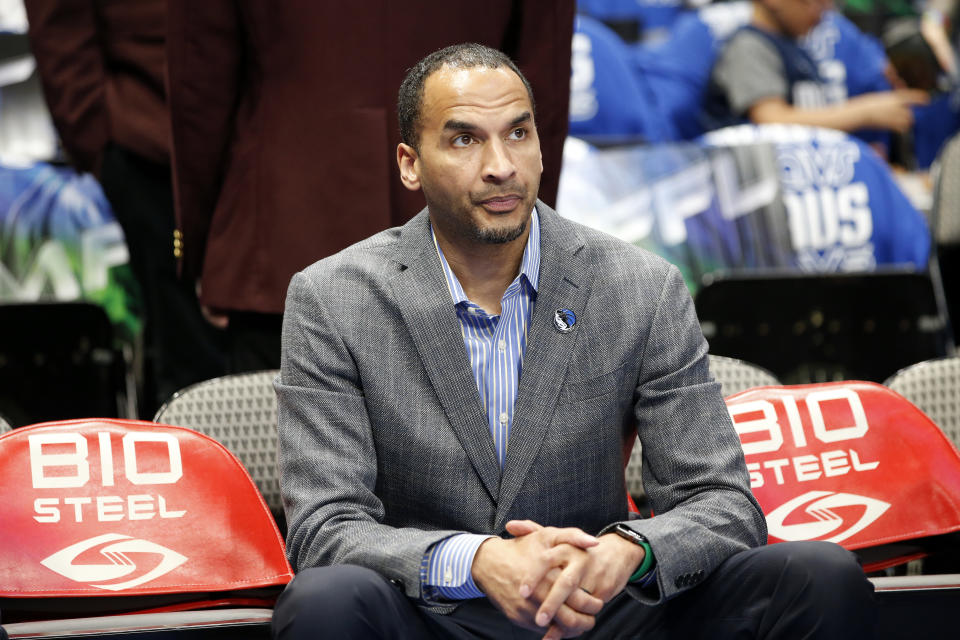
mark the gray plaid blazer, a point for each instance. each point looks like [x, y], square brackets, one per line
[384, 446]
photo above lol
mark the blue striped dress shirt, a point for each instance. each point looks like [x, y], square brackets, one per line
[495, 346]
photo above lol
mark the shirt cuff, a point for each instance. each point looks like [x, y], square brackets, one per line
[650, 577]
[445, 572]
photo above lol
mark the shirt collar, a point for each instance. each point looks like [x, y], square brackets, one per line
[529, 265]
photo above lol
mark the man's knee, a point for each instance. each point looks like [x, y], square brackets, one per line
[823, 566]
[337, 599]
[819, 584]
[816, 568]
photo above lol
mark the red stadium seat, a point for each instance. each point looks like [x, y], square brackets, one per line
[118, 516]
[849, 462]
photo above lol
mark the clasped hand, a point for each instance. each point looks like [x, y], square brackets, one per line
[553, 579]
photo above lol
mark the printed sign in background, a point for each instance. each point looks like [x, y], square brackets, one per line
[748, 198]
[848, 462]
[59, 241]
[845, 210]
[702, 209]
[127, 508]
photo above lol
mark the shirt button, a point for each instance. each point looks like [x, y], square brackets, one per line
[504, 417]
[502, 345]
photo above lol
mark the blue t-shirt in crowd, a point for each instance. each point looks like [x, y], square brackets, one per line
[606, 99]
[652, 17]
[676, 71]
[850, 63]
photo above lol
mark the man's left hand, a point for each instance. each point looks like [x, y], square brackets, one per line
[604, 574]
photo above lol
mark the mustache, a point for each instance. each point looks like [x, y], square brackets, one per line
[500, 191]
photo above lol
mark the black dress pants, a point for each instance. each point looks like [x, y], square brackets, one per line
[253, 341]
[785, 591]
[180, 347]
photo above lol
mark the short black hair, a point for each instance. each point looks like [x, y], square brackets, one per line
[458, 56]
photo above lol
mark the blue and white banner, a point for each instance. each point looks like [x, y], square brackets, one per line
[748, 197]
[60, 241]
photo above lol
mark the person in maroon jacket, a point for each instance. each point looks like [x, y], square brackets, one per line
[284, 133]
[101, 63]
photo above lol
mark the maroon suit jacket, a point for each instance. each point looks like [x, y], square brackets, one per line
[284, 123]
[101, 63]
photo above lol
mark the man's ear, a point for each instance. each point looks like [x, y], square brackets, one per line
[407, 161]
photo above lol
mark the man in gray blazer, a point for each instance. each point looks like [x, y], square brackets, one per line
[458, 398]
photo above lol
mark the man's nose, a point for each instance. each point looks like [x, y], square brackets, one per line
[498, 164]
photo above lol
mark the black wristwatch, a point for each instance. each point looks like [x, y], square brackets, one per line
[627, 533]
[624, 531]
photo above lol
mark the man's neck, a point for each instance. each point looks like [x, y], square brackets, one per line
[485, 270]
[764, 19]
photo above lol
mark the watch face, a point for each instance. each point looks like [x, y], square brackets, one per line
[630, 534]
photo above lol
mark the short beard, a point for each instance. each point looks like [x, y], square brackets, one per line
[500, 236]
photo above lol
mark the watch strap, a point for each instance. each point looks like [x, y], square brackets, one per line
[646, 565]
[637, 538]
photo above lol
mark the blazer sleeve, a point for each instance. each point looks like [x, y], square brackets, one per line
[327, 458]
[693, 466]
[63, 37]
[205, 49]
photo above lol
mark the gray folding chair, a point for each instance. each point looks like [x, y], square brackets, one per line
[734, 376]
[240, 412]
[945, 226]
[945, 218]
[934, 387]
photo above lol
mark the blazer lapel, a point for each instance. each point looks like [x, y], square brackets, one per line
[433, 325]
[565, 281]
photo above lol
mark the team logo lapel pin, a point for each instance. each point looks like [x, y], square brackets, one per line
[564, 320]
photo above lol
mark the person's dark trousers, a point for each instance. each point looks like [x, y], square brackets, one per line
[784, 591]
[253, 341]
[180, 346]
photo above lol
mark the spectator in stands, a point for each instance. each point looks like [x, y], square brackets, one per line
[876, 16]
[608, 103]
[411, 445]
[283, 134]
[763, 75]
[638, 20]
[101, 63]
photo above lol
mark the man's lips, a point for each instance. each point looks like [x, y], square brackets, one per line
[501, 203]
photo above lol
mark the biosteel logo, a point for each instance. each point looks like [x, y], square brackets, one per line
[138, 560]
[819, 518]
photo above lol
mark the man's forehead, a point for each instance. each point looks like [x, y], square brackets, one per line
[452, 89]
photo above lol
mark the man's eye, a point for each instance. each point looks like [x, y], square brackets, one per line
[462, 140]
[518, 134]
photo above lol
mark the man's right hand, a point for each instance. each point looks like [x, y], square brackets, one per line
[500, 564]
[218, 319]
